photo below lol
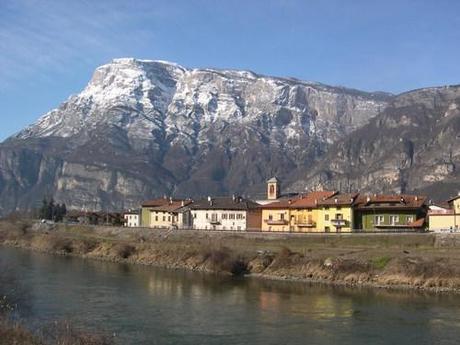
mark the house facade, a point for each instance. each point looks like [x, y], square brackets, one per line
[170, 215]
[276, 216]
[148, 205]
[224, 213]
[390, 212]
[445, 218]
[305, 212]
[335, 214]
[132, 219]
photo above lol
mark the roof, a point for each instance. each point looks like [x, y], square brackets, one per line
[417, 224]
[311, 199]
[171, 206]
[224, 203]
[339, 199]
[393, 201]
[453, 199]
[156, 202]
[285, 203]
[273, 180]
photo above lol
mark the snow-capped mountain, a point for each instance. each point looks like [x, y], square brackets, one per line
[142, 128]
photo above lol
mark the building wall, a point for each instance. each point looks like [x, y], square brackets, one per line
[254, 221]
[366, 219]
[131, 220]
[327, 214]
[145, 216]
[439, 222]
[162, 219]
[225, 220]
[303, 216]
[276, 215]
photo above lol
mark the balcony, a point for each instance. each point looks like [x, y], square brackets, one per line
[338, 222]
[214, 221]
[276, 222]
[306, 224]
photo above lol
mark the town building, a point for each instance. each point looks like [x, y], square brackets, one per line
[390, 212]
[224, 213]
[276, 216]
[148, 205]
[132, 218]
[169, 215]
[445, 217]
[335, 214]
[305, 212]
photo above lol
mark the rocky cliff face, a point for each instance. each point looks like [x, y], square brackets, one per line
[412, 146]
[147, 128]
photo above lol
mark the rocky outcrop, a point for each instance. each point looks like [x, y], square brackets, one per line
[412, 146]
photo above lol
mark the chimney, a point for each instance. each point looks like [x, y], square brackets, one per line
[210, 200]
[416, 198]
[335, 200]
[170, 200]
[402, 200]
[368, 199]
[234, 197]
[182, 203]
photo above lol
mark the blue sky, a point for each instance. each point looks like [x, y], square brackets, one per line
[49, 48]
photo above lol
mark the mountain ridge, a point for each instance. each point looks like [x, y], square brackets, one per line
[142, 128]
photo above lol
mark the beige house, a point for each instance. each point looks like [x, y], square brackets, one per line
[445, 218]
[168, 215]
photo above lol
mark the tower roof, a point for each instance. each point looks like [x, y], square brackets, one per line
[273, 180]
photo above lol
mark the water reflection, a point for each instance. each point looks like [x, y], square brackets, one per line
[145, 305]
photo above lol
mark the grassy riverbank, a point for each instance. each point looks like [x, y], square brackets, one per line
[415, 261]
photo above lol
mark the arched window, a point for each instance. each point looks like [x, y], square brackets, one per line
[271, 190]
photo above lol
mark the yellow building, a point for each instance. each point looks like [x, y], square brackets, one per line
[335, 214]
[304, 211]
[445, 219]
[168, 215]
[277, 216]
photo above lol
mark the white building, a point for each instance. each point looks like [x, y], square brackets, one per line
[225, 213]
[132, 219]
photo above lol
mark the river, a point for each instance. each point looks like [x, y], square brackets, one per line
[145, 305]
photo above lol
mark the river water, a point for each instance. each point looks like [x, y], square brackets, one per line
[145, 305]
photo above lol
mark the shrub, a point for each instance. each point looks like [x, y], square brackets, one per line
[124, 251]
[60, 244]
[224, 259]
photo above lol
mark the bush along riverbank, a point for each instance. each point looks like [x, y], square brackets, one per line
[410, 261]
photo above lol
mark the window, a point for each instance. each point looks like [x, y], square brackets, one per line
[327, 229]
[206, 216]
[169, 218]
[156, 218]
[326, 217]
[164, 218]
[224, 216]
[282, 216]
[339, 208]
[326, 208]
[339, 216]
[394, 220]
[214, 217]
[410, 219]
[239, 216]
[231, 216]
[238, 228]
[270, 217]
[378, 220]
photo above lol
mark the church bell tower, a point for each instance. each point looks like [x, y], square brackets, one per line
[273, 189]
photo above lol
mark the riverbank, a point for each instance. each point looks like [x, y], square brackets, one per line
[404, 261]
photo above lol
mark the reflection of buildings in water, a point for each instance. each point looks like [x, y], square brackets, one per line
[328, 306]
[269, 300]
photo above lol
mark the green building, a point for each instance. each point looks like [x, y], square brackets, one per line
[390, 212]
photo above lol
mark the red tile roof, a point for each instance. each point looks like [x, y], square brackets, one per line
[155, 202]
[311, 199]
[394, 201]
[339, 199]
[171, 207]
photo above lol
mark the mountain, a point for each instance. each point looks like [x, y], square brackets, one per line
[412, 146]
[144, 128]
